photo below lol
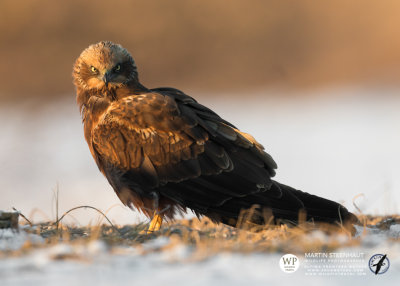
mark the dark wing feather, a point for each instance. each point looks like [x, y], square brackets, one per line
[166, 142]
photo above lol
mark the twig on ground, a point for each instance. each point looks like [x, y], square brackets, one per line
[24, 217]
[90, 207]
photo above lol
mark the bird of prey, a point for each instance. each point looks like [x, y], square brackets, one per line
[164, 153]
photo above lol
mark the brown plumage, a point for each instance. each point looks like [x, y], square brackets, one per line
[163, 151]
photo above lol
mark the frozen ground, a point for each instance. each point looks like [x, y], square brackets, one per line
[160, 262]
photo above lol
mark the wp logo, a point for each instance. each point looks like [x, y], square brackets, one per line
[289, 263]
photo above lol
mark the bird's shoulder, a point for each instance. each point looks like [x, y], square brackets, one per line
[168, 117]
[147, 110]
[161, 108]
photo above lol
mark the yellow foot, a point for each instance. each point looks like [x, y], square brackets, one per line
[155, 224]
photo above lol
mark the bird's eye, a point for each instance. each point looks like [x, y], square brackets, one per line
[93, 69]
[117, 68]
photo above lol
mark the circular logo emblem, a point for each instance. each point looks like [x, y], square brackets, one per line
[379, 263]
[289, 263]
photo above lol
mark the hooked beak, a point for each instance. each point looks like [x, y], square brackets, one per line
[106, 78]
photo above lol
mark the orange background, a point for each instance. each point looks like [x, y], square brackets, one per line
[202, 45]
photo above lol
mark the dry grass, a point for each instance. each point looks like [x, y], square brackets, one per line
[205, 238]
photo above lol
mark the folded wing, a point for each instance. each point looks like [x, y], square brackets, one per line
[166, 143]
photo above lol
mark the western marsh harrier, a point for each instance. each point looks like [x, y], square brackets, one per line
[163, 152]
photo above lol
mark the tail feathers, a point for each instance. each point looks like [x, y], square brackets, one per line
[316, 208]
[288, 207]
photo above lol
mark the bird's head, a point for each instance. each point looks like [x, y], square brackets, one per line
[104, 64]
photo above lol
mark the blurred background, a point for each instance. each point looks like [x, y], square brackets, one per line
[316, 82]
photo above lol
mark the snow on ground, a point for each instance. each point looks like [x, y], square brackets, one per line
[11, 239]
[95, 263]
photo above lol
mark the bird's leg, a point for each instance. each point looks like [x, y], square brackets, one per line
[157, 218]
[155, 223]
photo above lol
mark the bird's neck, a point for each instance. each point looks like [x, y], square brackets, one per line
[135, 87]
